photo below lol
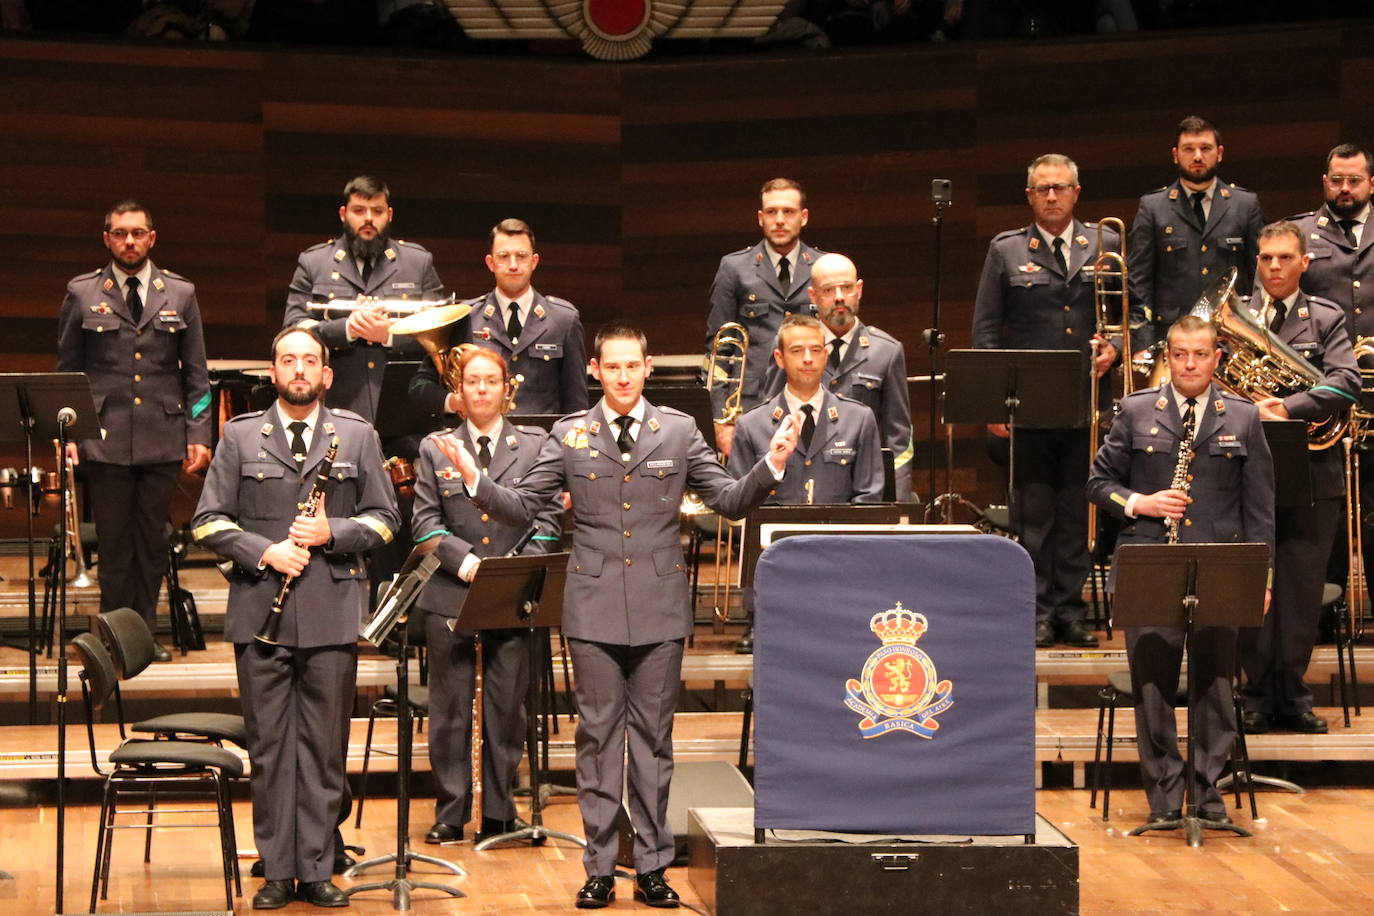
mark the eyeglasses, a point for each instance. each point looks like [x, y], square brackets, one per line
[1043, 190]
[122, 234]
[520, 256]
[846, 289]
[1341, 181]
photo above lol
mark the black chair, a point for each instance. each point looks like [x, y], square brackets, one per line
[748, 721]
[131, 646]
[1119, 687]
[1335, 611]
[144, 768]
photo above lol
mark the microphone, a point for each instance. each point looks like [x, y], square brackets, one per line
[941, 190]
[66, 416]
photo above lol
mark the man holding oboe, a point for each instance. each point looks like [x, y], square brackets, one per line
[296, 673]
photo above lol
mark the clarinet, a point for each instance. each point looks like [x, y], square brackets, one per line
[309, 508]
[1181, 480]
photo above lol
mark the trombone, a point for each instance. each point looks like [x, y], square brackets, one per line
[1360, 430]
[1110, 298]
[724, 365]
[73, 548]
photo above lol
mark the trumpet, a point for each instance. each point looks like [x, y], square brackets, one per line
[1109, 288]
[394, 308]
[73, 548]
[724, 366]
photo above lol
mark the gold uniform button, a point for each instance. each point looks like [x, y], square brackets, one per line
[1188, 522]
[137, 377]
[546, 359]
[138, 400]
[100, 329]
[1205, 271]
[259, 475]
[1068, 308]
[448, 492]
[629, 562]
[352, 570]
[485, 517]
[627, 478]
[627, 534]
[844, 461]
[807, 462]
[1149, 448]
[1154, 430]
[677, 566]
[137, 355]
[371, 364]
[624, 505]
[515, 359]
[1068, 330]
[1168, 247]
[1356, 284]
[660, 473]
[486, 540]
[591, 476]
[1204, 247]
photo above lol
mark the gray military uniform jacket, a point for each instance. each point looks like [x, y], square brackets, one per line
[149, 382]
[1338, 271]
[443, 510]
[327, 271]
[843, 462]
[627, 578]
[249, 501]
[746, 290]
[1172, 260]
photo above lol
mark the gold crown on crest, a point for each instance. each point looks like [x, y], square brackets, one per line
[898, 625]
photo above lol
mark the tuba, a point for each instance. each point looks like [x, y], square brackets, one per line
[1257, 364]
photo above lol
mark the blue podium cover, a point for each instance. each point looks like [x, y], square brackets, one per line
[894, 685]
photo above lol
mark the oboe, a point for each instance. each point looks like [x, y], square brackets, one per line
[309, 508]
[1181, 480]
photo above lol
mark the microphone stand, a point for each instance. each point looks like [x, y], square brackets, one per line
[65, 418]
[941, 192]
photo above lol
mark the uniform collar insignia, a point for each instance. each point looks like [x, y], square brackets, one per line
[339, 255]
[1220, 406]
[1162, 403]
[1302, 311]
[539, 310]
[1224, 191]
[1322, 221]
[510, 442]
[158, 284]
[653, 424]
[390, 254]
[167, 313]
[329, 429]
[1034, 243]
[758, 258]
[863, 340]
[806, 256]
[1082, 241]
[488, 312]
[1315, 237]
[596, 427]
[1173, 193]
[832, 413]
[777, 413]
[107, 285]
[267, 429]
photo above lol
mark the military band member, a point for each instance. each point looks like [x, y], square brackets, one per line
[1230, 499]
[837, 458]
[1275, 656]
[1036, 293]
[1187, 233]
[135, 330]
[297, 694]
[542, 341]
[759, 286]
[467, 535]
[364, 261]
[626, 609]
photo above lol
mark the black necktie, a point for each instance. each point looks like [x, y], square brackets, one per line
[808, 429]
[1201, 215]
[1059, 256]
[834, 362]
[484, 452]
[297, 440]
[513, 326]
[784, 275]
[133, 300]
[623, 441]
[1189, 419]
[1348, 227]
[367, 270]
[1280, 312]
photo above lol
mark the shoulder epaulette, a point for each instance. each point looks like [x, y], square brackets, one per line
[250, 415]
[346, 414]
[1010, 233]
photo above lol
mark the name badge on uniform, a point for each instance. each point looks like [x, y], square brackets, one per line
[661, 463]
[403, 286]
[839, 452]
[548, 346]
[1235, 240]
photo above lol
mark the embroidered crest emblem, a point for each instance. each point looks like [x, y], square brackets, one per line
[777, 413]
[489, 311]
[863, 340]
[158, 284]
[329, 429]
[1322, 221]
[267, 429]
[1161, 403]
[107, 285]
[1302, 311]
[596, 427]
[1173, 193]
[898, 689]
[1082, 241]
[390, 254]
[1220, 406]
[1029, 267]
[653, 424]
[339, 255]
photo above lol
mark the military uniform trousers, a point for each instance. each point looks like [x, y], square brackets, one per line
[131, 505]
[1052, 518]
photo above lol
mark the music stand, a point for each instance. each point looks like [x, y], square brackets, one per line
[392, 609]
[1188, 586]
[1034, 388]
[521, 592]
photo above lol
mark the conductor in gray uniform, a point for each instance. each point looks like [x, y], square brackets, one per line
[837, 459]
[626, 608]
[297, 695]
[758, 287]
[135, 330]
[541, 340]
[1186, 234]
[364, 261]
[1036, 293]
[1230, 499]
[1274, 657]
[467, 535]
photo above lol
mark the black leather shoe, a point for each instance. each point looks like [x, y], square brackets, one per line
[259, 870]
[444, 835]
[1044, 634]
[343, 862]
[1309, 723]
[321, 893]
[160, 653]
[1214, 819]
[652, 888]
[1254, 722]
[1164, 817]
[275, 894]
[1079, 636]
[598, 892]
[494, 826]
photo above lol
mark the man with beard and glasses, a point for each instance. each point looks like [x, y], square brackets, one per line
[135, 330]
[364, 261]
[1186, 234]
[298, 693]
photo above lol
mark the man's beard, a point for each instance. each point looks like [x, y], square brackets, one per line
[299, 398]
[1344, 211]
[1205, 178]
[366, 249]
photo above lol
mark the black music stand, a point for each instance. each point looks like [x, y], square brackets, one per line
[511, 592]
[1190, 586]
[1034, 388]
[391, 610]
[49, 405]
